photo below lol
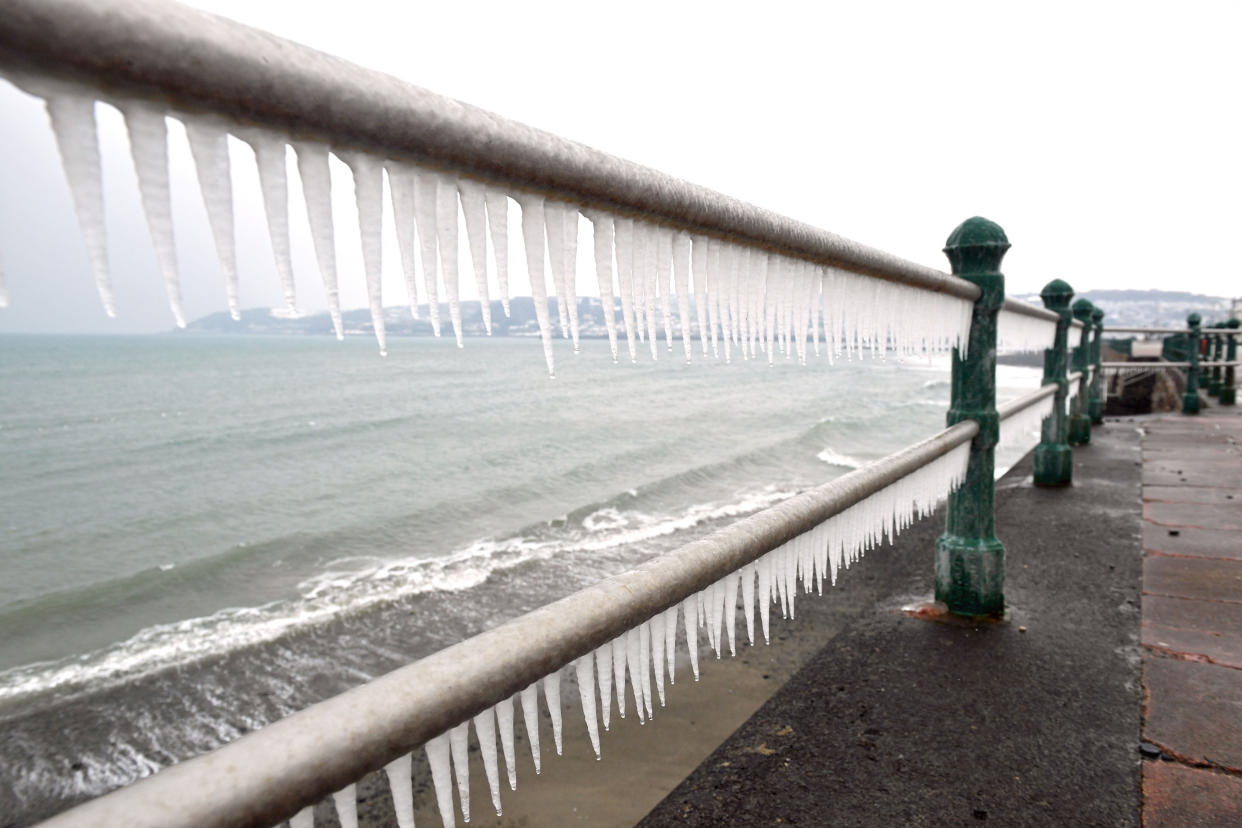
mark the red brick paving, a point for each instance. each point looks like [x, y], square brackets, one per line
[1175, 796]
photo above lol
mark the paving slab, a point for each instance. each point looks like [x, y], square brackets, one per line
[1190, 542]
[1194, 711]
[1175, 796]
[1227, 516]
[1192, 494]
[1203, 579]
[1202, 630]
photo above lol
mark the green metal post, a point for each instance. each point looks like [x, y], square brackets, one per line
[1095, 408]
[1216, 352]
[1054, 460]
[1190, 399]
[1080, 420]
[1228, 387]
[970, 561]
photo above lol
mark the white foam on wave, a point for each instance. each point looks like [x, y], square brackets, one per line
[833, 459]
[352, 585]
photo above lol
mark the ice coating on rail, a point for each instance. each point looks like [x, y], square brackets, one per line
[400, 781]
[72, 114]
[634, 663]
[369, 194]
[586, 695]
[460, 750]
[401, 192]
[441, 779]
[552, 694]
[624, 239]
[346, 802]
[601, 223]
[317, 188]
[485, 731]
[474, 209]
[530, 714]
[148, 143]
[304, 818]
[425, 187]
[270, 157]
[498, 227]
[658, 641]
[446, 238]
[1022, 430]
[532, 236]
[209, 144]
[504, 720]
[1019, 332]
[603, 670]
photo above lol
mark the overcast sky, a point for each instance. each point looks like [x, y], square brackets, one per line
[1105, 137]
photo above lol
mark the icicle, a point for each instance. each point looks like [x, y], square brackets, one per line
[369, 193]
[498, 226]
[73, 120]
[649, 246]
[602, 224]
[209, 144]
[570, 238]
[270, 157]
[748, 602]
[690, 611]
[664, 289]
[473, 207]
[764, 566]
[148, 143]
[586, 694]
[730, 611]
[681, 287]
[504, 719]
[317, 192]
[624, 238]
[532, 234]
[402, 785]
[441, 779]
[1019, 332]
[346, 801]
[304, 818]
[633, 660]
[485, 731]
[461, 765]
[401, 190]
[618, 671]
[658, 638]
[699, 258]
[713, 293]
[446, 238]
[644, 666]
[552, 692]
[554, 225]
[425, 200]
[670, 642]
[530, 713]
[1022, 430]
[603, 669]
[713, 597]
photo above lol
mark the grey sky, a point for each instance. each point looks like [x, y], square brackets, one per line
[1104, 136]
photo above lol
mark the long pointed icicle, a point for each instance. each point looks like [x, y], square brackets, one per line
[648, 285]
[699, 266]
[401, 191]
[425, 219]
[485, 731]
[148, 143]
[658, 640]
[670, 642]
[681, 287]
[304, 818]
[532, 235]
[552, 694]
[602, 224]
[317, 189]
[460, 751]
[504, 720]
[644, 665]
[498, 227]
[764, 567]
[664, 289]
[690, 610]
[530, 714]
[270, 157]
[624, 238]
[730, 611]
[473, 207]
[369, 193]
[586, 695]
[446, 238]
[618, 671]
[209, 144]
[748, 601]
[73, 120]
[402, 785]
[554, 227]
[346, 802]
[634, 663]
[441, 778]
[603, 669]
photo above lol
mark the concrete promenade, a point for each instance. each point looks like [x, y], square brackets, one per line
[1110, 695]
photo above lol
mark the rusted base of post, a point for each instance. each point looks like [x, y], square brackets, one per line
[1054, 465]
[970, 575]
[1190, 403]
[1079, 430]
[1228, 396]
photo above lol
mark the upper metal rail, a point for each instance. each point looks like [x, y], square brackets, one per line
[1026, 309]
[1159, 331]
[1007, 410]
[270, 774]
[198, 62]
[1153, 364]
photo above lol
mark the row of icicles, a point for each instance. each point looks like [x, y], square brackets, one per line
[648, 653]
[744, 300]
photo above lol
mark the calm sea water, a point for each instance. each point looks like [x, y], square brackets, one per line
[308, 508]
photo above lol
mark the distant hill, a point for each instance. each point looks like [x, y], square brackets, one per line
[1151, 308]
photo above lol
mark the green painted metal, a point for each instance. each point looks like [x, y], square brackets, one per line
[1054, 460]
[1216, 351]
[970, 561]
[1095, 406]
[1229, 388]
[1080, 419]
[1190, 399]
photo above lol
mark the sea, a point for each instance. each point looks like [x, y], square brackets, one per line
[202, 533]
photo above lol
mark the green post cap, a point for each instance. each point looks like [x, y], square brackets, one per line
[1057, 295]
[976, 246]
[1097, 316]
[1194, 320]
[1233, 323]
[1083, 310]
